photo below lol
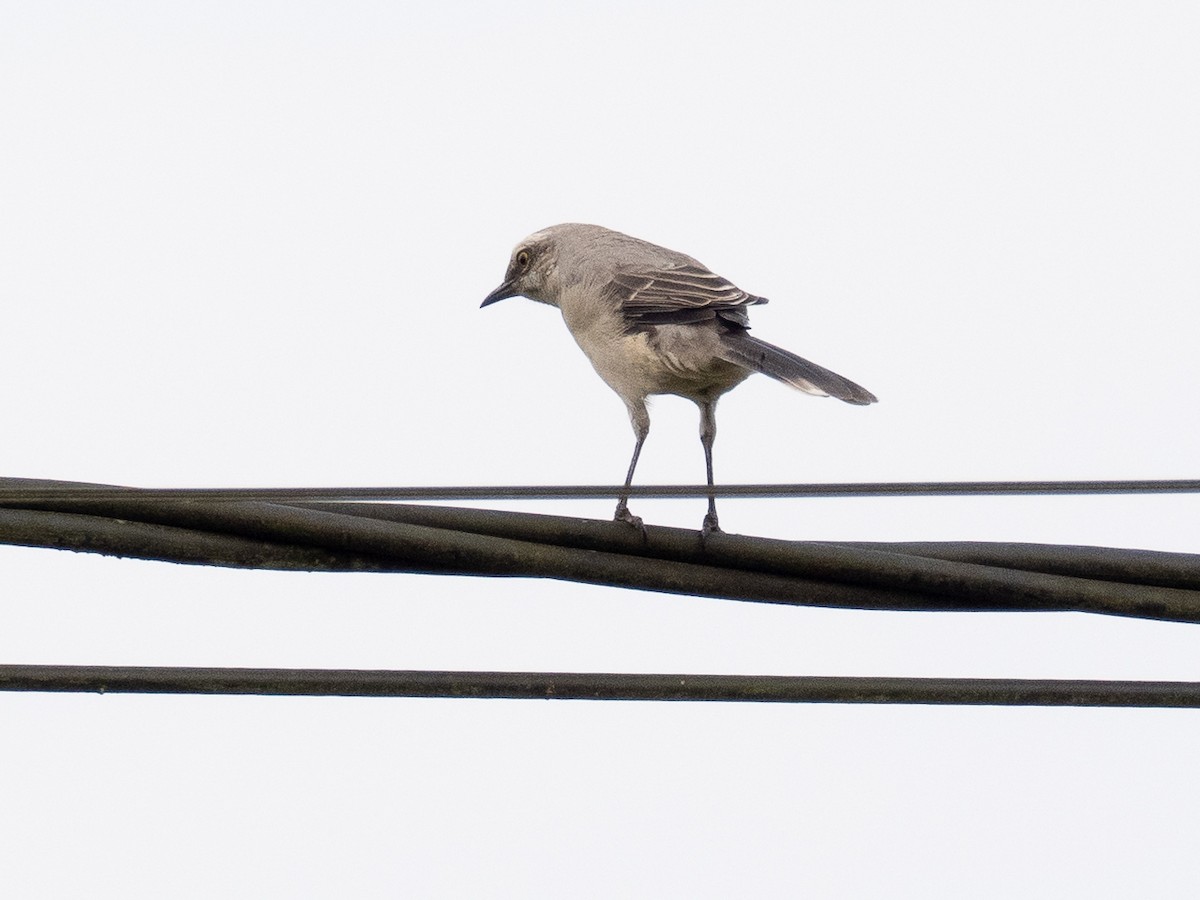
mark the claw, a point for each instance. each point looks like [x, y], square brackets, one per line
[624, 515]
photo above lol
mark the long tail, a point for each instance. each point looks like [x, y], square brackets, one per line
[740, 348]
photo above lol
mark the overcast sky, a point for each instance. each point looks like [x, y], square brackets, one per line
[244, 244]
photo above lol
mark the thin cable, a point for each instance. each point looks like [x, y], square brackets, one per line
[598, 686]
[13, 492]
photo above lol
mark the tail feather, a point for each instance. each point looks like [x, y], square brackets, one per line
[740, 348]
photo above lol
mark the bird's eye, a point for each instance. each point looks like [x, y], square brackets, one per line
[523, 259]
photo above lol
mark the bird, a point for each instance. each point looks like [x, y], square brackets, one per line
[655, 321]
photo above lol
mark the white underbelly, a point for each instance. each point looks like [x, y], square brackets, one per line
[669, 359]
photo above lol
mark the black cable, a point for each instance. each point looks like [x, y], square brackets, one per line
[403, 538]
[598, 686]
[18, 491]
[215, 529]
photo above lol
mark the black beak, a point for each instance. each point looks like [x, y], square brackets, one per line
[504, 291]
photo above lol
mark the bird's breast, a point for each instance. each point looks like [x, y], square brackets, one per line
[659, 359]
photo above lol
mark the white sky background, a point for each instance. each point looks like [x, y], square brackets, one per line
[244, 244]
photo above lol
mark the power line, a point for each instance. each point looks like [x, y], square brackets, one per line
[17, 491]
[357, 537]
[216, 528]
[598, 686]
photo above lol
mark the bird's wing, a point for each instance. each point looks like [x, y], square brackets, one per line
[679, 295]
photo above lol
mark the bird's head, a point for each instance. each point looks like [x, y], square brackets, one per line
[531, 270]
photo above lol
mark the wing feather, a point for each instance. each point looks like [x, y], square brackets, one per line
[680, 295]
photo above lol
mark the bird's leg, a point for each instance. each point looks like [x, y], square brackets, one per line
[708, 434]
[640, 419]
[623, 514]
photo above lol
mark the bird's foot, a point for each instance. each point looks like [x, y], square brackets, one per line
[624, 515]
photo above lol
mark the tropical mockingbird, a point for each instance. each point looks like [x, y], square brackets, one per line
[654, 321]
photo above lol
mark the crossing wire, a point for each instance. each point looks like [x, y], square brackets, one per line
[391, 537]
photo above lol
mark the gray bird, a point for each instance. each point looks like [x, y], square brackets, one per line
[654, 321]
